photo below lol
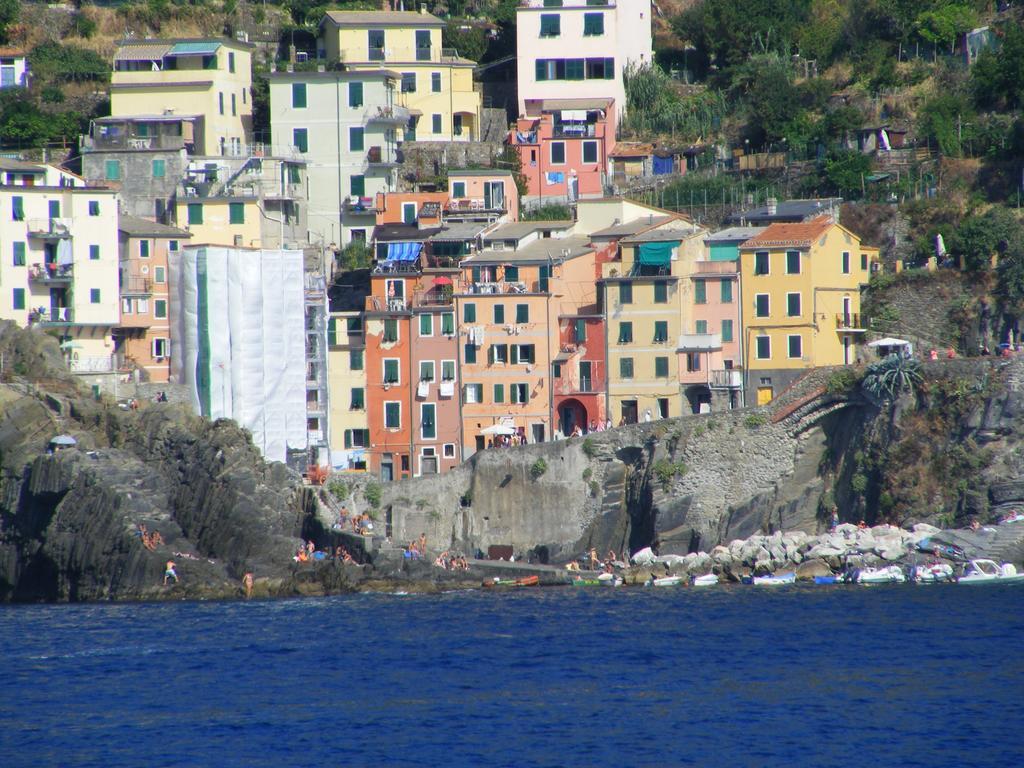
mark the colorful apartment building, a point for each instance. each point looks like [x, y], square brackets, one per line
[59, 265]
[485, 194]
[144, 337]
[348, 126]
[564, 146]
[800, 302]
[208, 81]
[436, 83]
[648, 297]
[346, 372]
[510, 298]
[580, 48]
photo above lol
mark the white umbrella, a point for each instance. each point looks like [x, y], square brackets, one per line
[888, 341]
[498, 429]
[63, 440]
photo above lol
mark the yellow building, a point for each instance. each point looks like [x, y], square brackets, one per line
[647, 304]
[208, 81]
[436, 83]
[799, 301]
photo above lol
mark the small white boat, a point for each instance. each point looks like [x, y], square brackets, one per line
[707, 580]
[933, 574]
[610, 580]
[891, 574]
[666, 581]
[987, 571]
[775, 580]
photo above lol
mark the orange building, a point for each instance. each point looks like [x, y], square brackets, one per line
[143, 338]
[508, 305]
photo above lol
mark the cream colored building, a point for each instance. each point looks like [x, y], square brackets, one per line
[208, 78]
[436, 84]
[59, 260]
[346, 373]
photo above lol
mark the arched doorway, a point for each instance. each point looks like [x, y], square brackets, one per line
[699, 398]
[570, 414]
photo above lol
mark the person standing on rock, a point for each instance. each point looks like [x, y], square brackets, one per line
[247, 582]
[170, 573]
[835, 518]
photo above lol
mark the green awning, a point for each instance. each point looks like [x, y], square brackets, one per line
[194, 49]
[657, 254]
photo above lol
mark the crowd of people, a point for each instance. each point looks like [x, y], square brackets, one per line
[359, 524]
[452, 561]
[150, 540]
[309, 553]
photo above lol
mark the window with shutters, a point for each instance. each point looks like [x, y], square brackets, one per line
[726, 296]
[660, 367]
[355, 359]
[447, 370]
[625, 293]
[499, 393]
[761, 263]
[522, 313]
[579, 330]
[519, 393]
[408, 82]
[355, 138]
[435, 82]
[236, 213]
[846, 262]
[355, 94]
[436, 123]
[550, 25]
[159, 169]
[762, 305]
[558, 152]
[393, 415]
[701, 327]
[499, 353]
[793, 304]
[426, 325]
[499, 314]
[660, 292]
[764, 348]
[94, 253]
[300, 139]
[427, 371]
[94, 207]
[469, 353]
[660, 331]
[391, 370]
[19, 253]
[589, 151]
[469, 313]
[593, 24]
[112, 170]
[357, 186]
[625, 333]
[792, 262]
[796, 347]
[700, 291]
[726, 330]
[195, 213]
[358, 399]
[390, 331]
[474, 393]
[447, 324]
[626, 367]
[428, 421]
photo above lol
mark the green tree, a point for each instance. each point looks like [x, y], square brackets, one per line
[997, 78]
[471, 43]
[941, 120]
[53, 62]
[845, 171]
[944, 25]
[979, 237]
[1010, 288]
[765, 82]
[9, 10]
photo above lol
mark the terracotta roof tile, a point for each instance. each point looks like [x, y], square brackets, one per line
[803, 234]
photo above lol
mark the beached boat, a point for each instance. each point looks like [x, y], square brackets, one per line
[826, 579]
[932, 574]
[610, 580]
[988, 571]
[525, 581]
[707, 580]
[666, 581]
[775, 580]
[583, 581]
[891, 574]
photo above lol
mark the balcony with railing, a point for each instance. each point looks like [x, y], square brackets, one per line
[580, 385]
[102, 364]
[383, 157]
[541, 4]
[849, 323]
[392, 304]
[49, 229]
[474, 205]
[438, 296]
[360, 205]
[505, 287]
[393, 114]
[726, 378]
[51, 274]
[136, 286]
[699, 342]
[52, 316]
[575, 131]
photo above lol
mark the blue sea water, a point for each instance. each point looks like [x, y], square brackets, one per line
[795, 676]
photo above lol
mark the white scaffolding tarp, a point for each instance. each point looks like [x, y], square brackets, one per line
[238, 320]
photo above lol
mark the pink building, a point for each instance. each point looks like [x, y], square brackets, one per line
[564, 147]
[485, 192]
[709, 350]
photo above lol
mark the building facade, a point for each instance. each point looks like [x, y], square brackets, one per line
[800, 302]
[436, 83]
[59, 266]
[348, 126]
[144, 334]
[13, 68]
[207, 77]
[580, 48]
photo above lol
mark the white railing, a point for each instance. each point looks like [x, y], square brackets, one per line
[700, 342]
[731, 378]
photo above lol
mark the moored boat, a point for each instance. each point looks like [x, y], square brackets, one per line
[932, 574]
[707, 580]
[775, 580]
[525, 581]
[665, 581]
[826, 580]
[610, 580]
[988, 571]
[891, 574]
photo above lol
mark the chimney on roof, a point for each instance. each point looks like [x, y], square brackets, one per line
[423, 8]
[773, 206]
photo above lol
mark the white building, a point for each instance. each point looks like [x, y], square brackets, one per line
[238, 339]
[348, 127]
[579, 49]
[59, 260]
[13, 68]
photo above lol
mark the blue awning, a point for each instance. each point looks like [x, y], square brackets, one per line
[194, 49]
[404, 251]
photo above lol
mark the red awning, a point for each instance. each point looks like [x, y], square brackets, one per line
[442, 281]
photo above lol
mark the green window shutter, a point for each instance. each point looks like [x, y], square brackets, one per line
[469, 313]
[515, 354]
[428, 420]
[300, 139]
[94, 206]
[609, 69]
[625, 293]
[436, 125]
[499, 393]
[426, 325]
[195, 213]
[470, 353]
[160, 309]
[54, 206]
[332, 331]
[542, 283]
[727, 291]
[660, 331]
[355, 359]
[159, 169]
[589, 151]
[94, 253]
[726, 330]
[390, 371]
[94, 295]
[355, 139]
[700, 291]
[458, 189]
[435, 82]
[793, 304]
[541, 70]
[574, 69]
[448, 324]
[236, 213]
[701, 327]
[792, 262]
[112, 170]
[660, 292]
[626, 367]
[355, 94]
[357, 186]
[761, 263]
[499, 314]
[298, 95]
[661, 367]
[19, 298]
[348, 438]
[522, 313]
[390, 330]
[19, 254]
[580, 331]
[593, 24]
[625, 333]
[550, 25]
[511, 274]
[18, 208]
[358, 399]
[393, 415]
